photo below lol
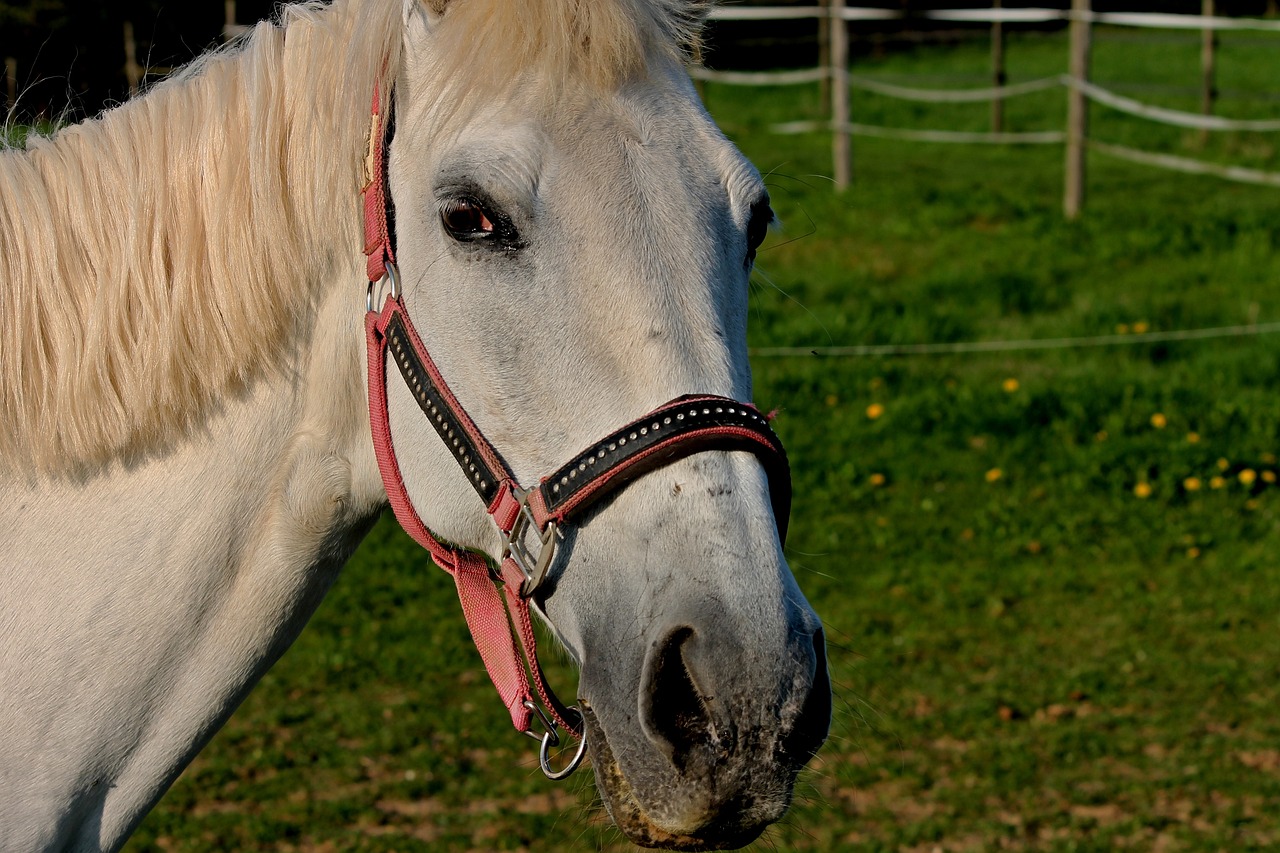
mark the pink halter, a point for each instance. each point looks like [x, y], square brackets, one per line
[503, 632]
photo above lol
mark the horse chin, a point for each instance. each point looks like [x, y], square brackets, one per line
[687, 822]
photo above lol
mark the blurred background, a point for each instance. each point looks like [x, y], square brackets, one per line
[72, 58]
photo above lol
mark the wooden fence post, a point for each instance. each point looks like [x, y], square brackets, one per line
[11, 82]
[132, 71]
[1077, 110]
[824, 51]
[998, 76]
[1208, 71]
[840, 94]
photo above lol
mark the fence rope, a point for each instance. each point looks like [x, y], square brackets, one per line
[1186, 164]
[965, 347]
[1162, 115]
[760, 78]
[1147, 20]
[1048, 137]
[954, 96]
[1165, 21]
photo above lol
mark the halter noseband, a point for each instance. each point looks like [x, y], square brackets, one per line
[530, 519]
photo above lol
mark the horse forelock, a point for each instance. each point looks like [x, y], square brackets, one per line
[488, 43]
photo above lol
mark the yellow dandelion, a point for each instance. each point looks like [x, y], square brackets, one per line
[1191, 484]
[1193, 438]
[994, 474]
[1192, 553]
[832, 399]
[1223, 464]
[1251, 504]
[876, 479]
[1142, 490]
[1159, 421]
[874, 411]
[1100, 436]
[1122, 328]
[1010, 385]
[1269, 477]
[1217, 483]
[1247, 476]
[1141, 327]
[1268, 459]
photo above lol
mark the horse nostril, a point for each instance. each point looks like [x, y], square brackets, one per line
[673, 710]
[814, 720]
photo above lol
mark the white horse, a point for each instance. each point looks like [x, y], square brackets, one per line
[186, 453]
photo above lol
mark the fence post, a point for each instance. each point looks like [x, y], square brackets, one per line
[1208, 63]
[11, 82]
[1077, 110]
[824, 51]
[132, 71]
[840, 94]
[998, 76]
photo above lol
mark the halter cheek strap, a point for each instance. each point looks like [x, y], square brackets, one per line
[528, 519]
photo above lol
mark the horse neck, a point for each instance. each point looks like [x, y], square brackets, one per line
[180, 241]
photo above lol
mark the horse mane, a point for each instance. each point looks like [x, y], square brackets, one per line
[159, 257]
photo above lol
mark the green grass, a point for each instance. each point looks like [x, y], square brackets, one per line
[1043, 660]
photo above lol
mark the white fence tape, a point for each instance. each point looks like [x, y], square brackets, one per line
[766, 13]
[760, 78]
[1048, 137]
[952, 96]
[1162, 21]
[882, 350]
[1094, 92]
[1149, 20]
[1163, 115]
[997, 16]
[1186, 164]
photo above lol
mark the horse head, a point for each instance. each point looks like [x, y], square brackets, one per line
[574, 237]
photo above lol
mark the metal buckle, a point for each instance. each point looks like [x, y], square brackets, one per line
[532, 566]
[549, 738]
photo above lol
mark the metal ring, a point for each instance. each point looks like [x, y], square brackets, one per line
[392, 275]
[544, 753]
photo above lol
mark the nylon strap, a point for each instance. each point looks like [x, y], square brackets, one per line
[500, 622]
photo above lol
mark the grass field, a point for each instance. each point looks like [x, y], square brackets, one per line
[1049, 579]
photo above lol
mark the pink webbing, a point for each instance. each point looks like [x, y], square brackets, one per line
[377, 237]
[519, 609]
[481, 602]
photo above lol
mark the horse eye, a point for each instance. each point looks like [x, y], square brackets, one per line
[466, 219]
[758, 227]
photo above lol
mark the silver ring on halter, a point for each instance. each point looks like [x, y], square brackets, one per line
[550, 738]
[393, 276]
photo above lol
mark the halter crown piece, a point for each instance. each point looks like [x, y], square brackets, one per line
[529, 519]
